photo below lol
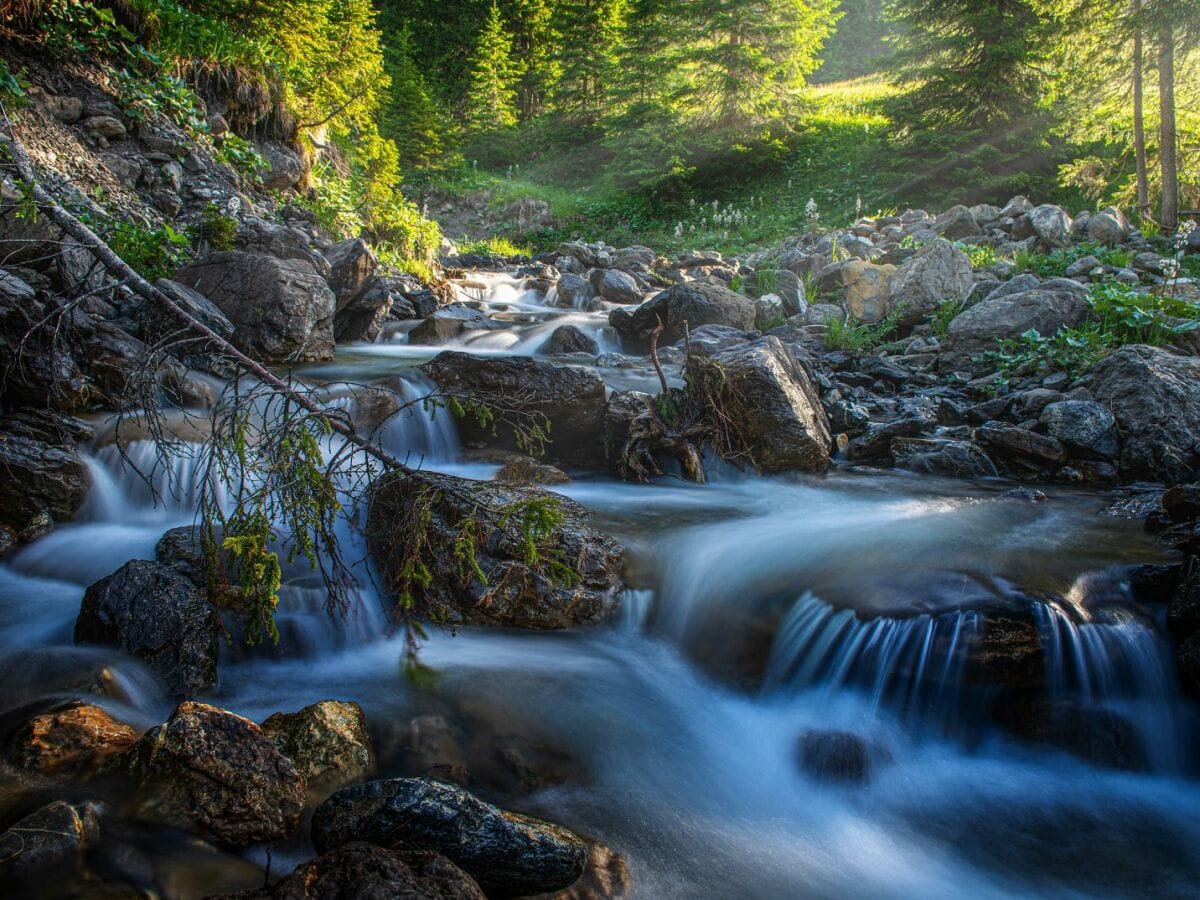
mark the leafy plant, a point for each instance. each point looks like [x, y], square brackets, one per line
[13, 86]
[239, 154]
[981, 255]
[144, 99]
[215, 228]
[154, 252]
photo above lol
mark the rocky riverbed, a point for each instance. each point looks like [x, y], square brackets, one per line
[717, 602]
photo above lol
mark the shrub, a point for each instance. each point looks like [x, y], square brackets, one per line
[851, 335]
[215, 228]
[152, 252]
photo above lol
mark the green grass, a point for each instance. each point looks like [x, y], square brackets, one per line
[1056, 263]
[848, 334]
[495, 246]
[833, 156]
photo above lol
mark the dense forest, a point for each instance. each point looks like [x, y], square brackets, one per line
[629, 116]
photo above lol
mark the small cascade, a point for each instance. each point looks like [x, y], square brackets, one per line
[421, 432]
[1117, 663]
[142, 482]
[914, 665]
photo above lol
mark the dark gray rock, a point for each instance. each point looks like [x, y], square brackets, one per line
[156, 615]
[282, 309]
[1088, 430]
[835, 756]
[43, 481]
[508, 589]
[49, 844]
[571, 400]
[776, 419]
[1155, 398]
[509, 854]
[615, 286]
[681, 307]
[571, 339]
[1013, 440]
[1003, 315]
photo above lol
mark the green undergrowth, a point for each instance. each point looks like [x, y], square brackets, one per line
[1121, 316]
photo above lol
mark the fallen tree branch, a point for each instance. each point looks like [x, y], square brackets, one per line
[116, 266]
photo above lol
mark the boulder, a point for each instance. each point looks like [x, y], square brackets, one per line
[449, 322]
[508, 854]
[938, 272]
[575, 579]
[1155, 397]
[351, 265]
[282, 309]
[933, 456]
[635, 258]
[957, 222]
[1107, 228]
[284, 167]
[159, 324]
[568, 339]
[574, 292]
[359, 871]
[861, 287]
[1052, 224]
[768, 404]
[44, 482]
[571, 400]
[74, 739]
[327, 743]
[48, 845]
[215, 774]
[268, 238]
[156, 615]
[980, 327]
[682, 307]
[615, 286]
[1087, 429]
[1013, 440]
[36, 368]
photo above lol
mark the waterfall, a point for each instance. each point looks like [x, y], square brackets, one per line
[1117, 663]
[420, 432]
[914, 665]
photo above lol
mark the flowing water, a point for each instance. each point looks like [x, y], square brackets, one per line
[767, 609]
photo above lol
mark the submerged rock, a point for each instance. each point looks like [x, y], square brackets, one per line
[327, 742]
[214, 773]
[571, 339]
[835, 756]
[360, 871]
[606, 877]
[774, 414]
[49, 843]
[156, 615]
[509, 854]
[451, 521]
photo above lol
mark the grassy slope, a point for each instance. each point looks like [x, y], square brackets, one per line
[838, 158]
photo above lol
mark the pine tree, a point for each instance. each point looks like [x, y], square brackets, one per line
[491, 100]
[754, 54]
[533, 50]
[650, 83]
[588, 33]
[409, 116]
[973, 61]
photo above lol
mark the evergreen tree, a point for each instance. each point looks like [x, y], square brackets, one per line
[491, 100]
[588, 33]
[650, 82]
[533, 51]
[409, 116]
[973, 61]
[753, 54]
[859, 45]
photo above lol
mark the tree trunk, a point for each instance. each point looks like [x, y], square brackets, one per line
[1169, 213]
[1139, 123]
